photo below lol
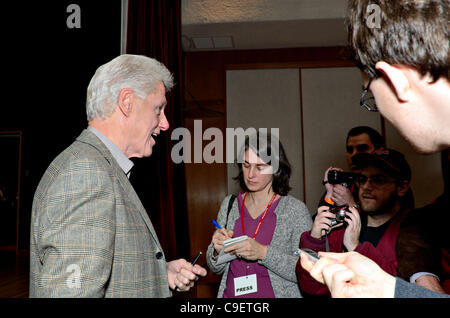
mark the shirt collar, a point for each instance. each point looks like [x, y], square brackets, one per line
[124, 163]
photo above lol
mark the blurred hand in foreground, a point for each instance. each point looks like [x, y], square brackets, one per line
[350, 275]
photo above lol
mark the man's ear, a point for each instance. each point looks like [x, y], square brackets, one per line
[402, 188]
[397, 77]
[125, 101]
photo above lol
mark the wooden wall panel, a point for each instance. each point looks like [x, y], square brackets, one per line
[205, 192]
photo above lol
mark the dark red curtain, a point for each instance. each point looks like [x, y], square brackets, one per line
[154, 30]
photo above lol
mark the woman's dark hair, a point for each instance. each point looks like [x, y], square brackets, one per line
[408, 32]
[269, 148]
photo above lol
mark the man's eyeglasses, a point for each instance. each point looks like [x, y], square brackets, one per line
[358, 148]
[375, 181]
[367, 100]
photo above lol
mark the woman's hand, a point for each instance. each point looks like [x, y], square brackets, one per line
[219, 237]
[249, 249]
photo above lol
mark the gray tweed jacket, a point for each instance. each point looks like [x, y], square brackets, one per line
[293, 218]
[90, 234]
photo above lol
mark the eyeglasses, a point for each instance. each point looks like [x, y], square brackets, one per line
[367, 100]
[358, 148]
[375, 181]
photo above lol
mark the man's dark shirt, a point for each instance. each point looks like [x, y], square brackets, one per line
[372, 234]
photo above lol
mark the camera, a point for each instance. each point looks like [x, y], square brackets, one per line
[340, 212]
[339, 177]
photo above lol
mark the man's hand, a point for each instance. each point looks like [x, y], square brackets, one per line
[322, 222]
[338, 193]
[350, 275]
[342, 196]
[328, 186]
[182, 274]
[353, 229]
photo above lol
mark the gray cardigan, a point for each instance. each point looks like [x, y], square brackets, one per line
[293, 218]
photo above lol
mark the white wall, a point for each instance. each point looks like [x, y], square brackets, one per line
[330, 105]
[426, 180]
[330, 109]
[267, 98]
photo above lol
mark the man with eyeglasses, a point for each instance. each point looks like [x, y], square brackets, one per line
[376, 229]
[359, 139]
[404, 58]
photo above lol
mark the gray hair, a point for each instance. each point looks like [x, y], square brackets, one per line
[140, 73]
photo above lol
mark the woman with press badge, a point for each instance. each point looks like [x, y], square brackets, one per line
[258, 231]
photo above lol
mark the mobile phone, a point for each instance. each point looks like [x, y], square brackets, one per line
[313, 256]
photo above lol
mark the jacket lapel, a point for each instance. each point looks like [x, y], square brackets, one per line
[132, 195]
[89, 138]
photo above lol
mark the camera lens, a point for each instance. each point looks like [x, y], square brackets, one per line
[340, 215]
[332, 176]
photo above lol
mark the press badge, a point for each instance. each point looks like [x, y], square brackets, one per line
[245, 285]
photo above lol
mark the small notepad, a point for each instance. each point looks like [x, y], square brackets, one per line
[225, 257]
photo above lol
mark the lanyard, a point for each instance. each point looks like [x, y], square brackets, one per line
[262, 219]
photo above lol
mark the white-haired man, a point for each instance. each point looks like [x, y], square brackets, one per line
[90, 234]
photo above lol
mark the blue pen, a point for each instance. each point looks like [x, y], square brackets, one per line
[216, 224]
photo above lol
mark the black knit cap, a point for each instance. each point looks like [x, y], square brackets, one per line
[389, 160]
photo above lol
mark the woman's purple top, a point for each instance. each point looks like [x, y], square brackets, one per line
[239, 267]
